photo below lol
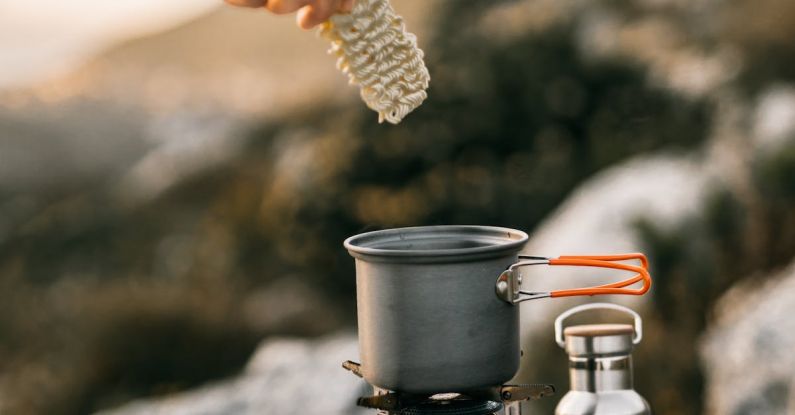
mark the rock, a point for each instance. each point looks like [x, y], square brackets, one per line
[747, 352]
[285, 377]
[600, 218]
[601, 214]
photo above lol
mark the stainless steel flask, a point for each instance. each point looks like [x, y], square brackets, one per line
[600, 365]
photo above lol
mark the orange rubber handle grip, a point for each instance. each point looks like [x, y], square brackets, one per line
[607, 261]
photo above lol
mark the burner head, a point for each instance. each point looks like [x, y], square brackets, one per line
[485, 401]
[395, 403]
[453, 407]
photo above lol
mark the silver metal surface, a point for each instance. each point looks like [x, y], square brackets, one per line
[436, 244]
[513, 393]
[429, 319]
[600, 374]
[620, 402]
[598, 346]
[525, 392]
[606, 363]
[600, 367]
[508, 283]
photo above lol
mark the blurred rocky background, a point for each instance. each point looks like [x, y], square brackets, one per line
[176, 180]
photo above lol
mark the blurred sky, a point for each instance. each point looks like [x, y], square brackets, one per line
[41, 38]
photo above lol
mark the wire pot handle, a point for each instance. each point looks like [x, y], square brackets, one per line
[574, 310]
[510, 278]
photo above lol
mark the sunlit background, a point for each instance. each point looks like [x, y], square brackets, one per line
[176, 179]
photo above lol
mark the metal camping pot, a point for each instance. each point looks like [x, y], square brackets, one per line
[437, 305]
[600, 365]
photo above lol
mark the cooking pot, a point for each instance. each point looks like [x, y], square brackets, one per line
[437, 305]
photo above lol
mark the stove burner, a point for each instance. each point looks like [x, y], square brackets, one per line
[453, 407]
[394, 403]
[486, 401]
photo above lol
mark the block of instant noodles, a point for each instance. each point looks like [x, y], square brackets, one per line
[375, 51]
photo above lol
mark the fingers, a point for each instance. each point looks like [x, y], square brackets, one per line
[247, 3]
[310, 12]
[317, 12]
[285, 6]
[346, 6]
[275, 6]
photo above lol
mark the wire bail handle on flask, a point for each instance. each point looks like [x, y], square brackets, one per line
[508, 283]
[568, 313]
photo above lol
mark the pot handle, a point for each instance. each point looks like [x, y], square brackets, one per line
[574, 310]
[507, 287]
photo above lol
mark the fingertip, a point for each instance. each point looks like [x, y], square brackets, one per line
[304, 19]
[311, 16]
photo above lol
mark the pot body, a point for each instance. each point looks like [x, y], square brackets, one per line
[429, 319]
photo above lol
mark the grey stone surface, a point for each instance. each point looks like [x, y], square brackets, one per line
[284, 377]
[748, 352]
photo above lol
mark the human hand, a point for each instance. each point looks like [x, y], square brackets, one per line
[310, 12]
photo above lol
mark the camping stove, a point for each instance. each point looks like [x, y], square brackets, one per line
[499, 400]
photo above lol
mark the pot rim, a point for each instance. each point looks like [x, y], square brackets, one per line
[497, 240]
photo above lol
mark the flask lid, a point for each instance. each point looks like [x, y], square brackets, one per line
[592, 330]
[593, 340]
[598, 339]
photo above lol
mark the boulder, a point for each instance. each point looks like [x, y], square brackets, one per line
[747, 351]
[285, 377]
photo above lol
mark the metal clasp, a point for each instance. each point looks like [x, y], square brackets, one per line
[508, 286]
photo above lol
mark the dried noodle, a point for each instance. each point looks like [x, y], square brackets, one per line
[374, 49]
